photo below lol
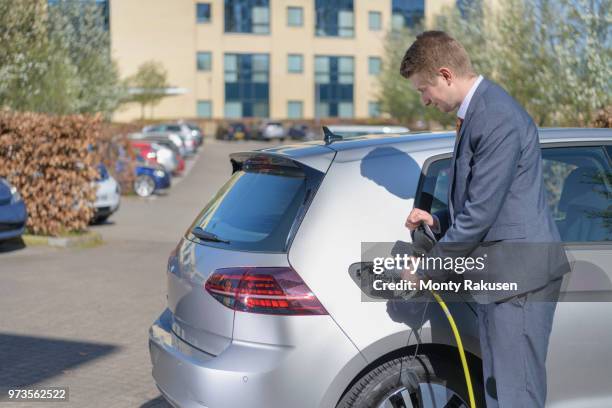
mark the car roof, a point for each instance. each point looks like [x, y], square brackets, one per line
[368, 128]
[419, 141]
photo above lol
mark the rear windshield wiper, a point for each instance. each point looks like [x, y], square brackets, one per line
[207, 236]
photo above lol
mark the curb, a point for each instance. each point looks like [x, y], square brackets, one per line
[86, 240]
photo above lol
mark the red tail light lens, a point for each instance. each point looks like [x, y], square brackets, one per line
[263, 290]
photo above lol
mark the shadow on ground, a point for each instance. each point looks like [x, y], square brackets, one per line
[11, 245]
[158, 402]
[27, 360]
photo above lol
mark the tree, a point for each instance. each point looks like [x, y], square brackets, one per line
[78, 29]
[29, 70]
[396, 95]
[148, 85]
[55, 58]
[582, 43]
[523, 63]
[554, 57]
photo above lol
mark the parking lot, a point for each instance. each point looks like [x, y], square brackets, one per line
[79, 317]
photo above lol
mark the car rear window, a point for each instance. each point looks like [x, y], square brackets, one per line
[258, 207]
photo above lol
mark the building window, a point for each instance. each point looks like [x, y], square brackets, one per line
[295, 16]
[373, 109]
[247, 16]
[334, 19]
[295, 110]
[374, 65]
[407, 13]
[294, 63]
[375, 20]
[247, 85]
[345, 109]
[204, 109]
[334, 86]
[204, 61]
[203, 13]
[232, 110]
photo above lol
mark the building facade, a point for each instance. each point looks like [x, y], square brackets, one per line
[261, 58]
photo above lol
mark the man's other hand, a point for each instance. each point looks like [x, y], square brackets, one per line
[417, 216]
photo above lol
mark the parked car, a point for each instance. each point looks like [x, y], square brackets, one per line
[269, 130]
[196, 131]
[260, 299]
[190, 140]
[108, 195]
[177, 155]
[150, 179]
[361, 130]
[13, 212]
[234, 131]
[163, 153]
[174, 138]
[301, 132]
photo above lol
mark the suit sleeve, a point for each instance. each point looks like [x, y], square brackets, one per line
[497, 150]
[443, 218]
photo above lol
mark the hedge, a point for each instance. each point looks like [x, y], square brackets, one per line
[115, 151]
[50, 161]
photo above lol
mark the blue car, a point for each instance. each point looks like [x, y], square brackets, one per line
[150, 179]
[13, 213]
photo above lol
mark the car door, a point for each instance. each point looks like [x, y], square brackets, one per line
[578, 180]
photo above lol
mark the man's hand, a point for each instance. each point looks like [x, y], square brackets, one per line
[417, 216]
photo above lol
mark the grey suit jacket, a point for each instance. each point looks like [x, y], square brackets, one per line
[497, 202]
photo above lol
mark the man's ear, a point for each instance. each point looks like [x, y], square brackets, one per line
[447, 75]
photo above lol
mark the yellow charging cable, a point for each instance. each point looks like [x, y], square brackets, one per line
[466, 370]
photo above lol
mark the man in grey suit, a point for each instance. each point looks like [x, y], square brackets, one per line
[497, 197]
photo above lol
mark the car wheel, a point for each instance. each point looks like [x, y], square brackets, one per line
[440, 384]
[144, 186]
[101, 219]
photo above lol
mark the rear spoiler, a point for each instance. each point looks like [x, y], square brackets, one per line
[319, 161]
[260, 158]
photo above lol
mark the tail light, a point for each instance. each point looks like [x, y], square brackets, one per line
[263, 290]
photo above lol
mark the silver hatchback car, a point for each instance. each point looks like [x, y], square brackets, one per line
[262, 310]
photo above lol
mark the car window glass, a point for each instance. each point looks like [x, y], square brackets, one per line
[256, 209]
[434, 187]
[578, 184]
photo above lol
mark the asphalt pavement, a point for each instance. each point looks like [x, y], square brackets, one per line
[78, 318]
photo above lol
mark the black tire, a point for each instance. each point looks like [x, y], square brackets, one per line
[435, 376]
[99, 219]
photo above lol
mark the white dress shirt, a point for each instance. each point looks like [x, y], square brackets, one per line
[468, 98]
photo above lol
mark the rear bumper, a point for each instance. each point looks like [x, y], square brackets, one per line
[105, 211]
[255, 375]
[107, 197]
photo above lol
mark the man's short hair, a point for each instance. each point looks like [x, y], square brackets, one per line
[433, 50]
